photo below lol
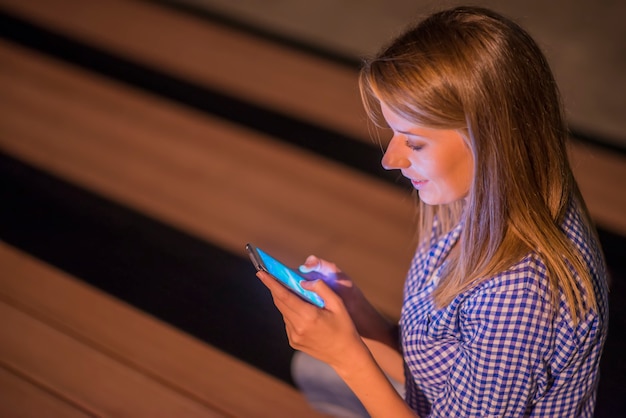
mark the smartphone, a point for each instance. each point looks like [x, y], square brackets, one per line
[288, 277]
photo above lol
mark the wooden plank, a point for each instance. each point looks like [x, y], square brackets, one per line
[295, 83]
[135, 355]
[21, 398]
[200, 174]
[87, 376]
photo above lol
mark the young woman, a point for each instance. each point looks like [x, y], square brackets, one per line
[505, 302]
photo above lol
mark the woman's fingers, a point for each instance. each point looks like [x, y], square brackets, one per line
[312, 263]
[323, 333]
[287, 302]
[316, 264]
[315, 268]
[323, 290]
[279, 292]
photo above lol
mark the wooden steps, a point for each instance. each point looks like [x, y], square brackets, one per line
[71, 348]
[209, 177]
[215, 180]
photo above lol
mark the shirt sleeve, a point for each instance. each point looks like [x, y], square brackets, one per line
[502, 355]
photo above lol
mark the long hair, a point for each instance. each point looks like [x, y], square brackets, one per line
[474, 71]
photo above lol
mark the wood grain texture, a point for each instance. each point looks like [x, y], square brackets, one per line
[20, 397]
[88, 377]
[261, 71]
[112, 359]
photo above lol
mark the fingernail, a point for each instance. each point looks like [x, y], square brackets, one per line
[307, 284]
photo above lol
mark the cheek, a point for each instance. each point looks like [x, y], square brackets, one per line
[464, 171]
[458, 173]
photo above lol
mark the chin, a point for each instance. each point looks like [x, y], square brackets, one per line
[433, 200]
[428, 200]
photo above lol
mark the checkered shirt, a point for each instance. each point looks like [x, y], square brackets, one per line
[497, 350]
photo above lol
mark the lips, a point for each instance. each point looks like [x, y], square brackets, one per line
[418, 184]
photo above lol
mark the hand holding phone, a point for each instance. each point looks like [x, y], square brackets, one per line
[288, 277]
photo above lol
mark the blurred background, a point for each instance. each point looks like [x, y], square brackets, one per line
[584, 41]
[143, 143]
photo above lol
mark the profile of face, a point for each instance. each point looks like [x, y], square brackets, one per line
[437, 161]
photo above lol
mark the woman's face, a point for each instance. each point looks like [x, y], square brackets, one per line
[437, 161]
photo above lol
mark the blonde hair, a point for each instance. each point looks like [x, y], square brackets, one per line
[474, 71]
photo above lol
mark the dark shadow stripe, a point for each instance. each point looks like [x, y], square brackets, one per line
[330, 144]
[185, 281]
[610, 145]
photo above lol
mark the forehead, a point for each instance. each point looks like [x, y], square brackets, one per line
[392, 117]
[399, 123]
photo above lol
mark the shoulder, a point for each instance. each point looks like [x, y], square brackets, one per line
[520, 290]
[529, 276]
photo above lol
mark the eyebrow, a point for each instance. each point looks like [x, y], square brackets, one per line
[402, 132]
[412, 134]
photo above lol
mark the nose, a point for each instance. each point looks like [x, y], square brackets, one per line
[395, 157]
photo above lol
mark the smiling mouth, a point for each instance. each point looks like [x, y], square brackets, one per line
[418, 184]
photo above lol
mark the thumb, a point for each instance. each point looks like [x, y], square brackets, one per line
[312, 263]
[318, 265]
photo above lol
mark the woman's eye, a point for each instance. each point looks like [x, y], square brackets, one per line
[413, 146]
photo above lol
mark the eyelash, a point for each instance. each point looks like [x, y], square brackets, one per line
[413, 147]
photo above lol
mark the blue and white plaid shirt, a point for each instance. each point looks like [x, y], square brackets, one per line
[496, 350]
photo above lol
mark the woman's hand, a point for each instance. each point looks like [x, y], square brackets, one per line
[330, 335]
[327, 334]
[368, 321]
[315, 268]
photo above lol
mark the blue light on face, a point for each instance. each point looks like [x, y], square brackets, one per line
[289, 278]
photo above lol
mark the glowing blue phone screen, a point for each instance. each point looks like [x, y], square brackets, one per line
[289, 278]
